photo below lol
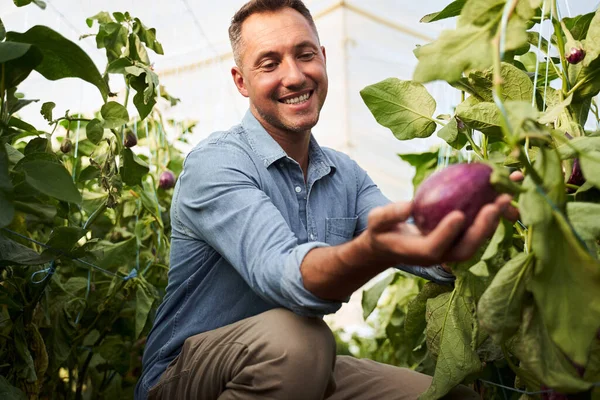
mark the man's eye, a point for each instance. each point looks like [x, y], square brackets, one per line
[307, 56]
[268, 66]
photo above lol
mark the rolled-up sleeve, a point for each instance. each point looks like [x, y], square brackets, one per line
[220, 201]
[369, 197]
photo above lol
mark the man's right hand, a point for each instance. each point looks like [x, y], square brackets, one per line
[393, 241]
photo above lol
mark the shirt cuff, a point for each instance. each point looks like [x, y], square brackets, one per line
[302, 301]
[436, 273]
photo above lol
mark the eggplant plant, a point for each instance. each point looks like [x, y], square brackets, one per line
[529, 301]
[84, 223]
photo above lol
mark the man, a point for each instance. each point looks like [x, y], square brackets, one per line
[271, 232]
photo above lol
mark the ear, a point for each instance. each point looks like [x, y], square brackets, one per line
[324, 54]
[238, 79]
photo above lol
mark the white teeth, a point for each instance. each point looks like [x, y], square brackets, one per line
[298, 99]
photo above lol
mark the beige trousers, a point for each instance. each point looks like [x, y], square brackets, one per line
[280, 355]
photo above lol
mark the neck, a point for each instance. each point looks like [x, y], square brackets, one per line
[295, 145]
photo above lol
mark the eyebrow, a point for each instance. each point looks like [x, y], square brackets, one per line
[271, 53]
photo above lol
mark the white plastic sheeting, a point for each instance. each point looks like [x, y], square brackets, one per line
[366, 41]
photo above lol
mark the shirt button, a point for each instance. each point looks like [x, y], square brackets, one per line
[298, 189]
[312, 237]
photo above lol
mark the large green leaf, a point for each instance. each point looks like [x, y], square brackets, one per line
[61, 57]
[143, 304]
[11, 50]
[114, 115]
[587, 78]
[9, 392]
[51, 179]
[484, 117]
[115, 350]
[13, 253]
[585, 217]
[16, 70]
[405, 107]
[415, 322]
[63, 239]
[117, 255]
[579, 25]
[450, 323]
[592, 40]
[452, 10]
[468, 47]
[516, 84]
[540, 355]
[455, 137]
[134, 169]
[499, 308]
[7, 210]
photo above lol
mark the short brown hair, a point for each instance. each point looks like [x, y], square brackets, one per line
[260, 6]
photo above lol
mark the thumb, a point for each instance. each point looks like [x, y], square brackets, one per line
[382, 219]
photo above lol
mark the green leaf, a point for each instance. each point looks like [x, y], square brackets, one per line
[503, 234]
[587, 79]
[7, 209]
[118, 66]
[516, 84]
[371, 296]
[424, 163]
[44, 211]
[484, 117]
[46, 110]
[60, 338]
[102, 17]
[137, 51]
[117, 255]
[585, 217]
[2, 30]
[112, 37]
[554, 112]
[134, 169]
[452, 135]
[24, 363]
[114, 350]
[579, 25]
[415, 322]
[566, 278]
[148, 36]
[466, 48]
[11, 50]
[114, 115]
[451, 321]
[22, 125]
[499, 308]
[63, 239]
[13, 253]
[16, 70]
[539, 355]
[143, 304]
[142, 85]
[452, 10]
[61, 57]
[405, 107]
[37, 145]
[94, 131]
[9, 392]
[592, 40]
[480, 12]
[51, 179]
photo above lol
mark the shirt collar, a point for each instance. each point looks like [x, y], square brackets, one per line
[270, 151]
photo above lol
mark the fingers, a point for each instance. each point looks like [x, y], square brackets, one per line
[384, 218]
[445, 234]
[517, 176]
[483, 227]
[508, 211]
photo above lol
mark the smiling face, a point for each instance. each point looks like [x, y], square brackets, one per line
[282, 71]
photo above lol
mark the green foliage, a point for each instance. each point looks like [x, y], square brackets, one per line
[84, 234]
[527, 302]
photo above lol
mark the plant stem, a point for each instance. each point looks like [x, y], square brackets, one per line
[561, 48]
[475, 148]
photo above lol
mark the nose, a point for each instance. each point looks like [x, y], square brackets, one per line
[293, 75]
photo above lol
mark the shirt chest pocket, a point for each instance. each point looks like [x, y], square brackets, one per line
[339, 230]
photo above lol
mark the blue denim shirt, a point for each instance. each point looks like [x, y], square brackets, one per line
[243, 218]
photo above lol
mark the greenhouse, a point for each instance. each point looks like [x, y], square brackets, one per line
[284, 199]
